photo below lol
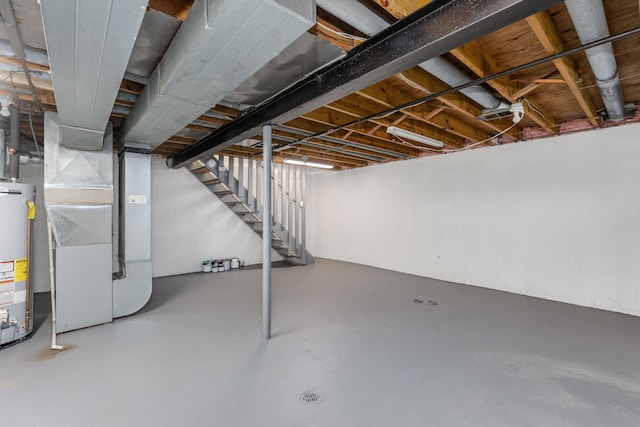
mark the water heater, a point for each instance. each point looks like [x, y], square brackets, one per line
[17, 211]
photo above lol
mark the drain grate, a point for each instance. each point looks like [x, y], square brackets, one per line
[311, 397]
[419, 301]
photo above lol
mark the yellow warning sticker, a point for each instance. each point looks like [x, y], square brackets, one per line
[32, 210]
[22, 269]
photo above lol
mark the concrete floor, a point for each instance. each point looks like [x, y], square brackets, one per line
[353, 335]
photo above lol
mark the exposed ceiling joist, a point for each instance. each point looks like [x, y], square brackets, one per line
[482, 64]
[456, 101]
[179, 9]
[436, 28]
[402, 8]
[545, 29]
[390, 97]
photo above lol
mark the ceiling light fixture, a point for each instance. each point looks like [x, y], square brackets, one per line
[305, 162]
[401, 133]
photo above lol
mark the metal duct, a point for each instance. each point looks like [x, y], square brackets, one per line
[40, 57]
[78, 195]
[220, 45]
[355, 14]
[3, 155]
[451, 75]
[9, 21]
[13, 69]
[590, 22]
[37, 56]
[14, 142]
[132, 288]
[89, 45]
[364, 19]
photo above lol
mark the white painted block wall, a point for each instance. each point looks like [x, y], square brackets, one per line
[557, 218]
[190, 224]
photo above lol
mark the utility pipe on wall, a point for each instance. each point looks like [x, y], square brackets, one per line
[54, 328]
[31, 215]
[14, 142]
[3, 156]
[266, 233]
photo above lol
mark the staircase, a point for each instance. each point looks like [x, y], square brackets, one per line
[238, 183]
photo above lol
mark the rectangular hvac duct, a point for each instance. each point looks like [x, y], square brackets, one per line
[132, 288]
[89, 45]
[220, 45]
[78, 194]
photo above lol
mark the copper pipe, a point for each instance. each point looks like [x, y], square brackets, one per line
[27, 314]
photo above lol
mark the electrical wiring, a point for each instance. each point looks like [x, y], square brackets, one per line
[595, 85]
[27, 73]
[11, 73]
[33, 133]
[412, 83]
[341, 34]
[537, 110]
[462, 148]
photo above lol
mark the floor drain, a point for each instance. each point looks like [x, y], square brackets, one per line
[419, 301]
[311, 397]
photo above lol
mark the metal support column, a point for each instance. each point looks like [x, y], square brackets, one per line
[303, 214]
[266, 234]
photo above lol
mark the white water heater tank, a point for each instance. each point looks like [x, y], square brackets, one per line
[17, 210]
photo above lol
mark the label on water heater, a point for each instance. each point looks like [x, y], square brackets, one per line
[7, 282]
[7, 292]
[22, 269]
[6, 266]
[20, 296]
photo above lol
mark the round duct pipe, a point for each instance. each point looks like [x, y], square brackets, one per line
[590, 22]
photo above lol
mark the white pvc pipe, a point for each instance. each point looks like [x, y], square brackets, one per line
[54, 343]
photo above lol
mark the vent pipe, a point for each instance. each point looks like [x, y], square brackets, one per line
[3, 156]
[355, 14]
[451, 75]
[364, 19]
[37, 56]
[14, 142]
[590, 22]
